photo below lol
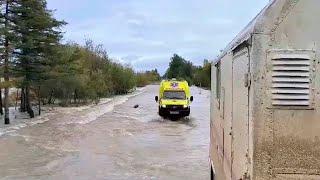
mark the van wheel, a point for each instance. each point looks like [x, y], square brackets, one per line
[160, 112]
[188, 112]
[212, 175]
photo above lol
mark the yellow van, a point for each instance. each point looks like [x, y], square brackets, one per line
[174, 98]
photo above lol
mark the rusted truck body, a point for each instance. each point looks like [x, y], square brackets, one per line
[265, 101]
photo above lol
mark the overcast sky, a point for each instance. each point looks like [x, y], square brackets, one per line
[146, 33]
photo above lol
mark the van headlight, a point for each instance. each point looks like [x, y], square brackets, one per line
[163, 106]
[185, 106]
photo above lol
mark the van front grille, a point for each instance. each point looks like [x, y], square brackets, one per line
[175, 107]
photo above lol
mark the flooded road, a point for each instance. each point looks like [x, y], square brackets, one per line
[112, 141]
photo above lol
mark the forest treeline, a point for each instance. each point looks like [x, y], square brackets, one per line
[44, 71]
[180, 68]
[86, 73]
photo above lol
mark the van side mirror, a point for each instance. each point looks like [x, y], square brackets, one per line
[191, 98]
[156, 98]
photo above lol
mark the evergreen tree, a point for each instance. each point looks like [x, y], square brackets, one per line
[38, 33]
[7, 43]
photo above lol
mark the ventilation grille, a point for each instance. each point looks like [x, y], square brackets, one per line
[291, 80]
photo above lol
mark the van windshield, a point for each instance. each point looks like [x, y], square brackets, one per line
[181, 95]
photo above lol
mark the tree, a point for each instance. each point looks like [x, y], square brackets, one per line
[182, 69]
[145, 78]
[7, 41]
[38, 33]
[179, 68]
[82, 74]
[202, 75]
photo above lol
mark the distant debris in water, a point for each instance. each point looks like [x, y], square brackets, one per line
[136, 106]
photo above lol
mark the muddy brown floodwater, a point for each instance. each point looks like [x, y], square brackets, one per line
[111, 141]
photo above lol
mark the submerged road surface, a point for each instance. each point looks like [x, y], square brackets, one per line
[112, 141]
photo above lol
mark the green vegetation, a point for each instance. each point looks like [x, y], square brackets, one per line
[202, 75]
[144, 78]
[85, 73]
[29, 35]
[180, 68]
[46, 71]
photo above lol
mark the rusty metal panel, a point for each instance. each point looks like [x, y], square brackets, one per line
[220, 148]
[296, 129]
[227, 112]
[240, 117]
[285, 142]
